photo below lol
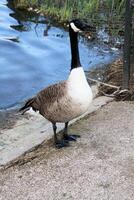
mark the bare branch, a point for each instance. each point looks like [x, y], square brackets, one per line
[106, 84]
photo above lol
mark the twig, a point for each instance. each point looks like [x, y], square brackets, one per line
[113, 94]
[106, 84]
[116, 93]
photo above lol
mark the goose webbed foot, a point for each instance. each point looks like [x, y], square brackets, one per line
[71, 137]
[61, 143]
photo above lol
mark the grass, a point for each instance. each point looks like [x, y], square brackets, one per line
[110, 12]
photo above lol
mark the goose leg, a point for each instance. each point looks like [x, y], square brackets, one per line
[58, 144]
[69, 137]
[54, 130]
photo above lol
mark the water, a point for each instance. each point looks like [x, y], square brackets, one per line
[36, 54]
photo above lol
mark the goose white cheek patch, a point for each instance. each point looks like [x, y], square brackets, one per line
[74, 27]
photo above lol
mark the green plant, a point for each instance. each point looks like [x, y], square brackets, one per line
[98, 11]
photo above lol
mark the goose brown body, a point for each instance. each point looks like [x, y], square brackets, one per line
[65, 100]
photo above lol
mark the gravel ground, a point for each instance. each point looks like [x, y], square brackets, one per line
[99, 166]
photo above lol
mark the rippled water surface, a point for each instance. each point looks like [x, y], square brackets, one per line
[34, 54]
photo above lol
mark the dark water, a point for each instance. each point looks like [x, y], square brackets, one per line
[34, 54]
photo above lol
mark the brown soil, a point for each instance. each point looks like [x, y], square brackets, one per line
[113, 76]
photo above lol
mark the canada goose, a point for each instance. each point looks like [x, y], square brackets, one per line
[68, 99]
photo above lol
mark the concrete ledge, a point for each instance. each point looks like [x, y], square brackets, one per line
[31, 132]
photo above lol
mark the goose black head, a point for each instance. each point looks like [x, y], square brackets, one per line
[80, 26]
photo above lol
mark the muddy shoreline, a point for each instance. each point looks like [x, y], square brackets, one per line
[8, 118]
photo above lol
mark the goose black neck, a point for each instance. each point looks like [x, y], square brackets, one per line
[75, 59]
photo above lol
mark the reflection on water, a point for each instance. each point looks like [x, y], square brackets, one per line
[34, 54]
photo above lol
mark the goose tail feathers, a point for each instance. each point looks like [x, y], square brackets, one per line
[29, 104]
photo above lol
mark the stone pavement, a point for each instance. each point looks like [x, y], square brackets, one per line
[99, 166]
